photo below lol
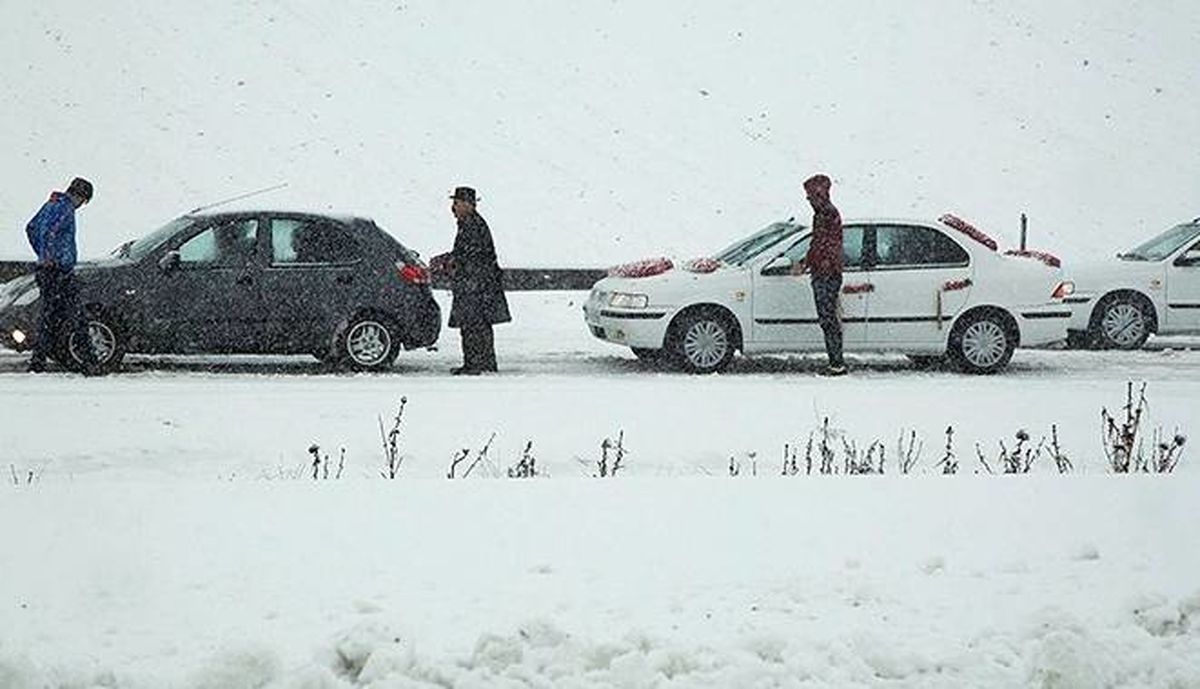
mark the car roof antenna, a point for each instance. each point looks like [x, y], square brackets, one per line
[239, 197]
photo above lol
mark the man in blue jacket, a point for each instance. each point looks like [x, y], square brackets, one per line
[52, 235]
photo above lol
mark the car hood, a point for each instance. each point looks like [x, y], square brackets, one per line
[92, 273]
[101, 264]
[677, 286]
[1092, 276]
[11, 290]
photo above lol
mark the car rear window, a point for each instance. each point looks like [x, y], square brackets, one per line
[311, 241]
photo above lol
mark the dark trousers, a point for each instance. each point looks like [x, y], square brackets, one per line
[60, 315]
[826, 291]
[479, 347]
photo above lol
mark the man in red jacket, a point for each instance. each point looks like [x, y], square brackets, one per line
[823, 263]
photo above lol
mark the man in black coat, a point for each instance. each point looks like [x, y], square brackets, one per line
[477, 285]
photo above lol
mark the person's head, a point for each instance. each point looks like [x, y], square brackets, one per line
[462, 202]
[816, 188]
[80, 190]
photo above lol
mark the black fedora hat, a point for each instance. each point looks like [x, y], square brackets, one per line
[464, 194]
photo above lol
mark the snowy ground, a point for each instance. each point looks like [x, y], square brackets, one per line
[157, 530]
[165, 540]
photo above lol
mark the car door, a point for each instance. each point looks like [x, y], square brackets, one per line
[1183, 291]
[314, 278]
[920, 278]
[199, 292]
[785, 316]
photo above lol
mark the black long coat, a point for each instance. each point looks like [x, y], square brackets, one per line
[477, 283]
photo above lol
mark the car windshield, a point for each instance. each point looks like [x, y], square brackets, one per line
[1164, 244]
[744, 250]
[139, 248]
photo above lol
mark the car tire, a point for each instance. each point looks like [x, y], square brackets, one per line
[369, 343]
[1121, 321]
[703, 342]
[107, 341]
[982, 341]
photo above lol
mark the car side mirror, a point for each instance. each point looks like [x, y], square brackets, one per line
[782, 265]
[169, 261]
[1189, 258]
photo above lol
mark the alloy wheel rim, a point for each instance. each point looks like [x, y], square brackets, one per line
[984, 344]
[705, 344]
[102, 339]
[368, 343]
[1123, 324]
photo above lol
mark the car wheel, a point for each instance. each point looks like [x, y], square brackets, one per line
[369, 344]
[107, 343]
[982, 342]
[703, 342]
[1121, 321]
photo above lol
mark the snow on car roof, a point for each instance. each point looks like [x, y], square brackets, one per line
[340, 216]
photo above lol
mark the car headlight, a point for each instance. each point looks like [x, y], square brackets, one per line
[622, 300]
[27, 297]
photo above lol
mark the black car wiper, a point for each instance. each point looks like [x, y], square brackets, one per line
[1131, 256]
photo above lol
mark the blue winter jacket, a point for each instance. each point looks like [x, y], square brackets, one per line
[52, 233]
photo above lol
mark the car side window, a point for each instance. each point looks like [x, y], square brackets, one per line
[297, 241]
[851, 249]
[853, 238]
[226, 245]
[908, 245]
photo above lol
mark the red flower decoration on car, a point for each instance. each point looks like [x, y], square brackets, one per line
[969, 230]
[1043, 256]
[642, 269]
[702, 265]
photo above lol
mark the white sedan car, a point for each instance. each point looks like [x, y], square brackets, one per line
[925, 289]
[1154, 288]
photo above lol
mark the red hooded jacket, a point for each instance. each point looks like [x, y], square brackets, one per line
[824, 258]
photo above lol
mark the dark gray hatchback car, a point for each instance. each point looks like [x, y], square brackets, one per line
[262, 282]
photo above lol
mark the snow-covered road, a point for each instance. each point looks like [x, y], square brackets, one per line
[566, 392]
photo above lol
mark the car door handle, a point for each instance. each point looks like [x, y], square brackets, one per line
[858, 288]
[344, 279]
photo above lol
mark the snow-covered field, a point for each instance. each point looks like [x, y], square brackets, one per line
[170, 539]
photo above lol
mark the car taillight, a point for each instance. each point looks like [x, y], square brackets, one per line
[1063, 290]
[413, 274]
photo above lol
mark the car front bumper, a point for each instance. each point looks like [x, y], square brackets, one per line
[641, 328]
[17, 331]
